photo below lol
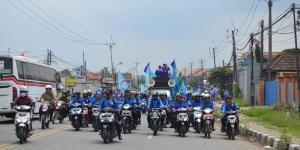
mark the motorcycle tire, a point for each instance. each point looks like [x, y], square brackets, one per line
[232, 134]
[23, 135]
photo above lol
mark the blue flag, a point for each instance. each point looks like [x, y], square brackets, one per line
[142, 88]
[148, 75]
[183, 88]
[175, 89]
[122, 83]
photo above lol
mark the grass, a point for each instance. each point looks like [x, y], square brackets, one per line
[241, 102]
[282, 120]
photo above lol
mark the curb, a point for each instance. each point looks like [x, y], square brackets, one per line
[263, 138]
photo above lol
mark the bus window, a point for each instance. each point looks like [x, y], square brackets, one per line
[6, 66]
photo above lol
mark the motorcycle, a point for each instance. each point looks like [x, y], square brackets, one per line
[143, 106]
[231, 124]
[163, 120]
[108, 129]
[95, 118]
[126, 121]
[45, 116]
[155, 120]
[22, 122]
[85, 114]
[207, 122]
[182, 121]
[58, 112]
[76, 116]
[196, 123]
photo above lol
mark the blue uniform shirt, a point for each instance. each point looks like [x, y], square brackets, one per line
[106, 103]
[165, 102]
[95, 101]
[178, 105]
[208, 105]
[127, 101]
[155, 103]
[75, 100]
[227, 107]
[197, 103]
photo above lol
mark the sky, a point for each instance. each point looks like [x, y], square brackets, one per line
[155, 31]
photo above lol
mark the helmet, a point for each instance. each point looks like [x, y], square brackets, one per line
[84, 92]
[23, 91]
[206, 96]
[48, 87]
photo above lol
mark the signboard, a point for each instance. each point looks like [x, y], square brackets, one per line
[70, 81]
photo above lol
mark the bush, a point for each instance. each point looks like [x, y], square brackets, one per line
[242, 102]
[284, 142]
[236, 90]
[288, 121]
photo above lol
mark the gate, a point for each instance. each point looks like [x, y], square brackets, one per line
[271, 92]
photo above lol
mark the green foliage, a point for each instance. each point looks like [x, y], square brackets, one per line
[241, 102]
[284, 142]
[257, 53]
[236, 90]
[288, 121]
[282, 107]
[105, 72]
[291, 51]
[220, 77]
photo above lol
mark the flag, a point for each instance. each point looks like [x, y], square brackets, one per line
[148, 75]
[122, 83]
[183, 88]
[175, 89]
[142, 88]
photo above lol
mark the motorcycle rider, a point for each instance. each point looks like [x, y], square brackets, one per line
[76, 99]
[166, 103]
[228, 106]
[188, 97]
[136, 104]
[208, 104]
[24, 99]
[49, 97]
[107, 102]
[180, 103]
[155, 102]
[196, 102]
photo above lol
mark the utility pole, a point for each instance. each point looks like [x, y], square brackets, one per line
[297, 54]
[191, 77]
[223, 63]
[214, 56]
[50, 57]
[252, 88]
[136, 72]
[262, 49]
[234, 57]
[270, 3]
[111, 45]
[83, 64]
[202, 72]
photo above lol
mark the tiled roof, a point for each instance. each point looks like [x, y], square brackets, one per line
[286, 62]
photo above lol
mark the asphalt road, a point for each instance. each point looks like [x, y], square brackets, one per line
[62, 136]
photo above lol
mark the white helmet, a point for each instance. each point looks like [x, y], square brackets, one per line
[48, 86]
[206, 95]
[84, 91]
[23, 91]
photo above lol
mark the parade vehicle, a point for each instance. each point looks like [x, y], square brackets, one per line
[17, 71]
[161, 85]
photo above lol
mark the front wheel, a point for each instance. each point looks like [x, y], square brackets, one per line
[232, 134]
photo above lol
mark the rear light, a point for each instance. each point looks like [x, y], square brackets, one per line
[15, 93]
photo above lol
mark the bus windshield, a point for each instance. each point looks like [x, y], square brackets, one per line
[6, 65]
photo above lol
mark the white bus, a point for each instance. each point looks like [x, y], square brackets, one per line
[17, 71]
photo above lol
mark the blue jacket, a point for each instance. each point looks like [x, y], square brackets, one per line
[155, 103]
[127, 101]
[106, 103]
[166, 102]
[208, 105]
[76, 99]
[95, 101]
[86, 100]
[197, 103]
[178, 105]
[136, 101]
[226, 107]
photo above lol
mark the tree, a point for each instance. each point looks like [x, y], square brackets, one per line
[257, 53]
[220, 77]
[104, 72]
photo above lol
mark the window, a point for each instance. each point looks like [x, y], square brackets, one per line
[35, 72]
[6, 65]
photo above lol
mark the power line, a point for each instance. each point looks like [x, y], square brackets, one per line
[247, 15]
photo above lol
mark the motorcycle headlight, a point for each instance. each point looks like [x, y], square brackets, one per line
[59, 104]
